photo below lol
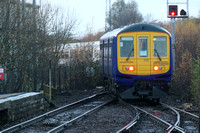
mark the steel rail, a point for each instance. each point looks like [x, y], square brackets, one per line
[177, 123]
[155, 117]
[133, 122]
[64, 125]
[128, 126]
[168, 125]
[185, 112]
[48, 114]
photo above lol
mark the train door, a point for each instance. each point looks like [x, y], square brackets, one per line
[143, 55]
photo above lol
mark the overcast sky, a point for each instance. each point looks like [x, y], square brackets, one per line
[92, 12]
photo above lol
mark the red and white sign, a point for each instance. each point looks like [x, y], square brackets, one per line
[1, 73]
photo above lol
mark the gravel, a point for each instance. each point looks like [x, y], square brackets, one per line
[109, 119]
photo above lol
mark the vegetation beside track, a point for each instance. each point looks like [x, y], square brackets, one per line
[186, 76]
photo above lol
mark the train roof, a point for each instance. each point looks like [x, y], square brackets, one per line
[134, 28]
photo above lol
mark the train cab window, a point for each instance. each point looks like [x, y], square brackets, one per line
[126, 47]
[143, 46]
[160, 46]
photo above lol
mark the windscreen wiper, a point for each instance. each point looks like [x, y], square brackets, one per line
[157, 54]
[129, 54]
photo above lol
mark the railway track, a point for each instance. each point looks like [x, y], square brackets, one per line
[82, 108]
[188, 121]
[145, 119]
[131, 124]
[117, 117]
[64, 125]
[163, 118]
[160, 118]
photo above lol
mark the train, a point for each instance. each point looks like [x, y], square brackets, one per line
[136, 60]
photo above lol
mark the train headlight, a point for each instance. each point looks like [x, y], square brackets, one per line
[156, 68]
[130, 68]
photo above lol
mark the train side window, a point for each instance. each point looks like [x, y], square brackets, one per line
[101, 46]
[160, 46]
[143, 46]
[105, 50]
[126, 47]
[110, 50]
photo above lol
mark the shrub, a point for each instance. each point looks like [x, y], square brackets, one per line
[195, 82]
[182, 75]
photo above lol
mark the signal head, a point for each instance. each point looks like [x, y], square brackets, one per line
[173, 10]
[182, 12]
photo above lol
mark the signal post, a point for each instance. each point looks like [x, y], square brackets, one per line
[173, 13]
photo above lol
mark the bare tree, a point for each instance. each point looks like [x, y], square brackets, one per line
[27, 44]
[124, 13]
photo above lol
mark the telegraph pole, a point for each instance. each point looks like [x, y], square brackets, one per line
[108, 16]
[110, 19]
[23, 7]
[34, 47]
[34, 4]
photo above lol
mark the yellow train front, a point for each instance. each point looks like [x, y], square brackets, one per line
[138, 56]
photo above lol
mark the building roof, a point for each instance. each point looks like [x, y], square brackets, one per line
[79, 44]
